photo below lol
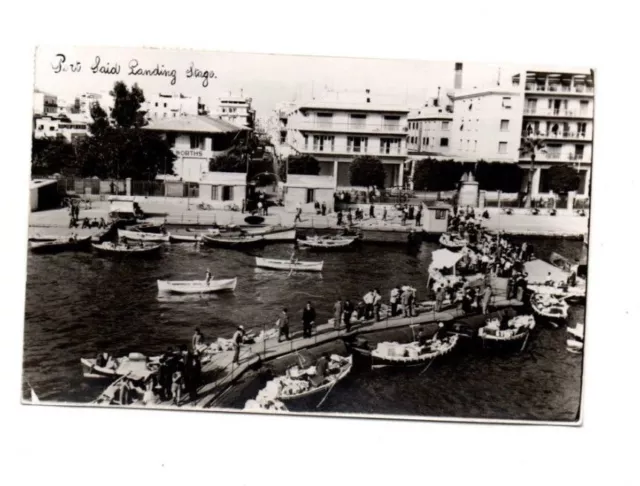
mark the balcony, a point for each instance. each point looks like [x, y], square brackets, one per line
[559, 112]
[350, 151]
[557, 157]
[559, 89]
[351, 127]
[558, 135]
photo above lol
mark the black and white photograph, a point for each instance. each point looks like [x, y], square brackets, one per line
[279, 234]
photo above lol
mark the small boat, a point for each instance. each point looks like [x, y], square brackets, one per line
[411, 354]
[570, 294]
[156, 228]
[192, 238]
[549, 307]
[299, 266]
[575, 344]
[42, 238]
[254, 219]
[299, 383]
[62, 244]
[141, 236]
[233, 242]
[109, 248]
[272, 233]
[326, 242]
[451, 242]
[517, 329]
[196, 286]
[135, 364]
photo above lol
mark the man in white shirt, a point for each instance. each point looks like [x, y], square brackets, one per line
[393, 300]
[368, 301]
[377, 303]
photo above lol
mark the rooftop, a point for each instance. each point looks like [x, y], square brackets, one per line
[350, 106]
[193, 124]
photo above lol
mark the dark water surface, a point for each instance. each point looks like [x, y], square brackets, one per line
[80, 304]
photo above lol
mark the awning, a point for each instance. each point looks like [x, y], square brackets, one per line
[444, 259]
[539, 271]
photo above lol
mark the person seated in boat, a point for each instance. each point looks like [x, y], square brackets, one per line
[207, 276]
[504, 321]
[322, 366]
[440, 334]
[86, 223]
[102, 224]
[102, 359]
[422, 337]
[549, 280]
[112, 363]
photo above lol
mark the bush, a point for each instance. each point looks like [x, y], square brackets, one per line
[303, 165]
[563, 178]
[367, 171]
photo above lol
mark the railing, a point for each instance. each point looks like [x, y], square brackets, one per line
[576, 157]
[555, 88]
[556, 112]
[351, 127]
[557, 135]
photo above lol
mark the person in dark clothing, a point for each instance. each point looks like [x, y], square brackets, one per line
[422, 338]
[349, 217]
[316, 206]
[308, 319]
[323, 207]
[167, 368]
[339, 218]
[347, 312]
[283, 325]
[411, 210]
[441, 333]
[372, 213]
[419, 217]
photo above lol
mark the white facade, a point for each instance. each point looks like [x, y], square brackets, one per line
[44, 103]
[558, 107]
[487, 125]
[51, 127]
[430, 131]
[160, 105]
[336, 133]
[234, 109]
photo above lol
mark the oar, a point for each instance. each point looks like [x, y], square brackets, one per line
[427, 367]
[327, 394]
[524, 344]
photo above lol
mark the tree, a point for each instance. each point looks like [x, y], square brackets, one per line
[435, 175]
[531, 146]
[126, 105]
[100, 120]
[302, 164]
[367, 171]
[563, 178]
[229, 162]
[52, 155]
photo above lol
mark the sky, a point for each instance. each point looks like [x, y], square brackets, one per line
[266, 78]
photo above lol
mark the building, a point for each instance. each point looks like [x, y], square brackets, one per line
[71, 128]
[44, 103]
[558, 107]
[195, 140]
[430, 130]
[336, 132]
[236, 110]
[172, 106]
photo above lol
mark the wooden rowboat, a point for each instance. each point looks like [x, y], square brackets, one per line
[233, 242]
[431, 350]
[272, 233]
[141, 236]
[108, 248]
[62, 244]
[192, 238]
[135, 364]
[326, 243]
[519, 328]
[299, 266]
[549, 307]
[452, 244]
[330, 380]
[196, 286]
[156, 228]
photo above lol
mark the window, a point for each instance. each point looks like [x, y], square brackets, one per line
[196, 142]
[427, 143]
[306, 142]
[444, 142]
[391, 122]
[165, 105]
[156, 104]
[502, 147]
[475, 145]
[324, 119]
[214, 193]
[470, 106]
[40, 127]
[174, 115]
[441, 214]
[52, 129]
[392, 145]
[445, 125]
[584, 107]
[164, 115]
[323, 143]
[506, 102]
[504, 125]
[227, 193]
[283, 136]
[357, 144]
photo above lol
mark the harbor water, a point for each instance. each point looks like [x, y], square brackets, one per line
[79, 304]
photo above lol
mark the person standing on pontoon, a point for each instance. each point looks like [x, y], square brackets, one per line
[283, 325]
[308, 320]
[207, 277]
[197, 340]
[238, 337]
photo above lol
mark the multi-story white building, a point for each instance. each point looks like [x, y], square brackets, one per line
[430, 130]
[558, 107]
[69, 127]
[235, 109]
[486, 125]
[159, 105]
[44, 103]
[335, 133]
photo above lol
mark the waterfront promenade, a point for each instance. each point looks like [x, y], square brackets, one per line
[183, 212]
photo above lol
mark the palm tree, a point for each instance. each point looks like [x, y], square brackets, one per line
[531, 146]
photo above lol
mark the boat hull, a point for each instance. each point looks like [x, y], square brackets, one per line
[141, 236]
[273, 264]
[59, 246]
[322, 388]
[233, 243]
[108, 249]
[185, 238]
[326, 244]
[271, 234]
[197, 286]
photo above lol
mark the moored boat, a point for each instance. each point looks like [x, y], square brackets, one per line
[190, 238]
[570, 294]
[233, 242]
[196, 286]
[71, 243]
[135, 364]
[155, 228]
[411, 354]
[516, 329]
[141, 236]
[326, 242]
[451, 242]
[549, 307]
[288, 265]
[299, 383]
[575, 343]
[272, 233]
[109, 248]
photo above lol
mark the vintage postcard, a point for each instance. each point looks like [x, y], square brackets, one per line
[291, 234]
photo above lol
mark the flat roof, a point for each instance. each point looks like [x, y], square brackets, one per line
[337, 106]
[193, 123]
